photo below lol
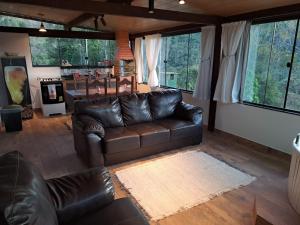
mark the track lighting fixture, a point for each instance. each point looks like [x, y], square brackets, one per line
[151, 6]
[103, 21]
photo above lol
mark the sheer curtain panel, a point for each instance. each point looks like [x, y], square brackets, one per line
[234, 47]
[203, 83]
[153, 45]
[138, 55]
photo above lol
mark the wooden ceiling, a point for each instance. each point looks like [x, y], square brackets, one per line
[136, 24]
[217, 7]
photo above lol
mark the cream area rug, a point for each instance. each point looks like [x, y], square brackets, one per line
[174, 183]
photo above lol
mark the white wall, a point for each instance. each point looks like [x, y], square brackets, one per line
[267, 127]
[19, 43]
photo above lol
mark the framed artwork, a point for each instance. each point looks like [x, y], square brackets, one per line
[14, 85]
[15, 80]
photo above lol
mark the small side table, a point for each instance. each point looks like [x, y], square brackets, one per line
[12, 118]
[294, 176]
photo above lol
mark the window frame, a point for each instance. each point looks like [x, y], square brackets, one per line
[59, 53]
[274, 108]
[187, 62]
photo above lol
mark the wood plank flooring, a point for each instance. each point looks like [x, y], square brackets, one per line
[49, 145]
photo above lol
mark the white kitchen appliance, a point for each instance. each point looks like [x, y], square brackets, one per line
[52, 96]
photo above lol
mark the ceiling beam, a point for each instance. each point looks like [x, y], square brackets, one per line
[183, 29]
[266, 14]
[95, 7]
[80, 19]
[39, 19]
[60, 33]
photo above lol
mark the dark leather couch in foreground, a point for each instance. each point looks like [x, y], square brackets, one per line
[114, 130]
[86, 198]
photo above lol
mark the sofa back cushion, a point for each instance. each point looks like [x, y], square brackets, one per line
[107, 111]
[135, 109]
[24, 195]
[163, 103]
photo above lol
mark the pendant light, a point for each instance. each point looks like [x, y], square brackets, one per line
[181, 2]
[42, 28]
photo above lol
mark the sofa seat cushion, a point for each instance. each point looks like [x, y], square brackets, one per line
[120, 212]
[151, 133]
[120, 139]
[180, 128]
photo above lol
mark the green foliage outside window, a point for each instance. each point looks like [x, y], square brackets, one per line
[11, 21]
[51, 51]
[267, 77]
[179, 61]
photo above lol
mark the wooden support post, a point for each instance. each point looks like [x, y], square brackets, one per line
[215, 74]
[105, 86]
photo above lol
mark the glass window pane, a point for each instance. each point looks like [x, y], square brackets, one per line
[44, 51]
[100, 50]
[293, 98]
[177, 55]
[194, 60]
[11, 21]
[258, 62]
[73, 50]
[283, 41]
[161, 62]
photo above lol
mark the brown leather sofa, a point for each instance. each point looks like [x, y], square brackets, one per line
[113, 130]
[86, 198]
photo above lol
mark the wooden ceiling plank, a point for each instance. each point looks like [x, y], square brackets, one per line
[95, 7]
[188, 28]
[266, 13]
[81, 18]
[60, 33]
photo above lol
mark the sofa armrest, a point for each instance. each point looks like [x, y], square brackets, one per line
[87, 140]
[77, 194]
[189, 112]
[89, 125]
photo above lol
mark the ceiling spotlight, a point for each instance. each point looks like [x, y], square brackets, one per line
[151, 6]
[103, 21]
[181, 2]
[42, 28]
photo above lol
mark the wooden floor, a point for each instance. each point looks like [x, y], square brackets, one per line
[48, 143]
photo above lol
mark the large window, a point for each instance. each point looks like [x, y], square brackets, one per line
[51, 51]
[179, 61]
[11, 21]
[44, 51]
[273, 77]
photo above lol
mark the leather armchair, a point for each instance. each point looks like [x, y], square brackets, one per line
[86, 198]
[77, 194]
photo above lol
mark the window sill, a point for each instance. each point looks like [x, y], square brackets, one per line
[293, 112]
[183, 90]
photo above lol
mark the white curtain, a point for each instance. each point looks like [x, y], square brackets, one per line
[234, 43]
[203, 83]
[153, 45]
[138, 55]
